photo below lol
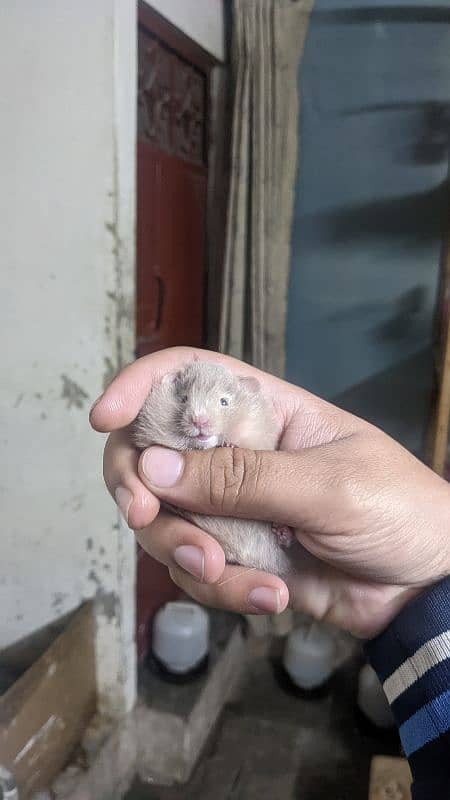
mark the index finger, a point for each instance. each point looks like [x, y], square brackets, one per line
[122, 400]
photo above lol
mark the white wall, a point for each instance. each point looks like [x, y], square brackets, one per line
[67, 106]
[202, 20]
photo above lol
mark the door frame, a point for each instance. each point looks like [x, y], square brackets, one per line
[174, 38]
[218, 98]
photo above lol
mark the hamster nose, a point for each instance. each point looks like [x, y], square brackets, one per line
[199, 420]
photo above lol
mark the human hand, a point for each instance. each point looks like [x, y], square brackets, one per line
[372, 519]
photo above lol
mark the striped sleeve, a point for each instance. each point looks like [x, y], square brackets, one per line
[412, 659]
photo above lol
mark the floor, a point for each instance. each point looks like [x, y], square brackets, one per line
[272, 742]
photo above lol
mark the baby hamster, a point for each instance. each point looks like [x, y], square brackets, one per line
[204, 405]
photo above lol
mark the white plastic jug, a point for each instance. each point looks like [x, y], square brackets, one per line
[309, 656]
[372, 700]
[180, 636]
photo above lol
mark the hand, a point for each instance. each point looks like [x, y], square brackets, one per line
[374, 522]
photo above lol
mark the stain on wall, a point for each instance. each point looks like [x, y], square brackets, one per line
[72, 393]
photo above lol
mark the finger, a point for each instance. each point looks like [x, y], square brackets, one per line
[240, 589]
[123, 398]
[177, 543]
[139, 507]
[295, 488]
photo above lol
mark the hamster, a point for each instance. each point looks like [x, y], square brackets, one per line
[204, 405]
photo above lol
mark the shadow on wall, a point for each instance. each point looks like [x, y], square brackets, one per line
[430, 142]
[406, 315]
[373, 12]
[371, 200]
[384, 399]
[418, 217]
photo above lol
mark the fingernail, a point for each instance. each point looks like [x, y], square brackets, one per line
[96, 402]
[265, 599]
[192, 559]
[162, 467]
[124, 498]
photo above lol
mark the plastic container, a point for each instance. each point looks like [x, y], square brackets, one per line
[8, 787]
[372, 701]
[309, 656]
[180, 639]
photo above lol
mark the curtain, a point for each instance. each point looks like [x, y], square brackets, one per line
[267, 44]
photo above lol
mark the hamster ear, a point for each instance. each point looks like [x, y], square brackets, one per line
[168, 378]
[251, 384]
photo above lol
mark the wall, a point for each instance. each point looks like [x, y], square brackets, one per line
[67, 78]
[373, 158]
[202, 20]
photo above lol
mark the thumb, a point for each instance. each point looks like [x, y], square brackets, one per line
[277, 485]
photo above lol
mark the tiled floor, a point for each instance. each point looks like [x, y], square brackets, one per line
[273, 743]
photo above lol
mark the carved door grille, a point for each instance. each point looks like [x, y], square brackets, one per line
[171, 101]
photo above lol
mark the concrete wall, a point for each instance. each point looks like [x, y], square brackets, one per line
[373, 158]
[67, 115]
[202, 20]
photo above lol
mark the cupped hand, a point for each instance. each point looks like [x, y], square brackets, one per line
[372, 519]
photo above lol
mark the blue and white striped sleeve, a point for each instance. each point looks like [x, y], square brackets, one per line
[412, 659]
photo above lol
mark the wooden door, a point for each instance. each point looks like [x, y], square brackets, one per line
[173, 76]
[171, 236]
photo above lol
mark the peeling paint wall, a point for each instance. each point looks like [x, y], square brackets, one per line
[67, 114]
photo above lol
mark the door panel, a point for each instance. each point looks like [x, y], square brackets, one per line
[171, 237]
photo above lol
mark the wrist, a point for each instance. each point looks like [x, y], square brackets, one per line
[412, 659]
[396, 602]
[432, 568]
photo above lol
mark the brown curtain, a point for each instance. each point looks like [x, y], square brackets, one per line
[268, 39]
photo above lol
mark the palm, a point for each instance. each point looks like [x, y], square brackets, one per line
[346, 577]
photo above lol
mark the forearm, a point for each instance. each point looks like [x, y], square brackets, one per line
[412, 659]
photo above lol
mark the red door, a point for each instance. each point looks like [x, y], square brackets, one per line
[170, 250]
[171, 225]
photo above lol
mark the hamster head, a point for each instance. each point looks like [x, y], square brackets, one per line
[208, 399]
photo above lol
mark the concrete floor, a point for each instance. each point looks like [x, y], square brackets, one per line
[273, 743]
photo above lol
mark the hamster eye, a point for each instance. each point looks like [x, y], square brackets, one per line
[184, 398]
[223, 401]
